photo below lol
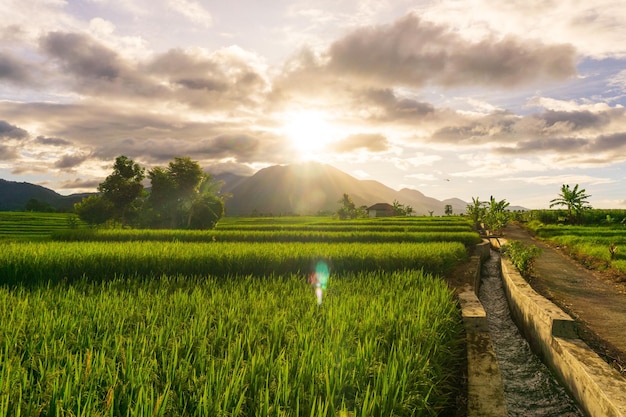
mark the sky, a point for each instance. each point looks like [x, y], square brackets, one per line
[454, 98]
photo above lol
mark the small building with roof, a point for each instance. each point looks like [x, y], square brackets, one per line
[380, 210]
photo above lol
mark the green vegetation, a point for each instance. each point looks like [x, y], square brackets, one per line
[522, 256]
[574, 199]
[491, 215]
[596, 247]
[182, 196]
[224, 322]
[16, 225]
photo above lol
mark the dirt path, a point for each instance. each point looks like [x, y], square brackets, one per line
[595, 302]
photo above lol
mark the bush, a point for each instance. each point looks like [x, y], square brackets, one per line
[522, 256]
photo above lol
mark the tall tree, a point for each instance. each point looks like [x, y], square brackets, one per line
[476, 211]
[183, 196]
[574, 199]
[348, 208]
[496, 216]
[123, 186]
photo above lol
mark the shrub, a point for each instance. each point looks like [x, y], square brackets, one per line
[522, 256]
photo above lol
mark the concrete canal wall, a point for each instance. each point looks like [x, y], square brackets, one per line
[599, 389]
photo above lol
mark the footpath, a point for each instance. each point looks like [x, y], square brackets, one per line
[597, 304]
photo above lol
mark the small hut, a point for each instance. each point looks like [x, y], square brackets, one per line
[380, 210]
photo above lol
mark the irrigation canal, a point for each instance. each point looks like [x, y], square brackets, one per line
[530, 389]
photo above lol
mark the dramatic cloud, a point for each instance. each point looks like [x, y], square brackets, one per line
[14, 70]
[52, 141]
[406, 92]
[415, 53]
[70, 161]
[8, 131]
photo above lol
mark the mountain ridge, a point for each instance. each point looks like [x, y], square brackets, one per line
[299, 189]
[312, 188]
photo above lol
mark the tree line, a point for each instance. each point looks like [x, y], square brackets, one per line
[180, 196]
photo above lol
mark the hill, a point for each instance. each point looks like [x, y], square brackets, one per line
[312, 188]
[15, 195]
[304, 189]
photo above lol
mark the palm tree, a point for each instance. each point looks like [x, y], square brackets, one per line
[574, 199]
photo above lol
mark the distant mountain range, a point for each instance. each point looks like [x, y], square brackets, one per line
[309, 188]
[312, 188]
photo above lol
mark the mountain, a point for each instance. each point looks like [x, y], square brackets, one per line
[308, 188]
[15, 195]
[312, 188]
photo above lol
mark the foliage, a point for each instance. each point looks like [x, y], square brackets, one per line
[400, 209]
[94, 210]
[492, 214]
[348, 209]
[69, 261]
[574, 200]
[596, 247]
[15, 225]
[448, 209]
[172, 322]
[430, 234]
[496, 216]
[616, 217]
[40, 206]
[521, 255]
[122, 187]
[476, 211]
[182, 196]
[381, 344]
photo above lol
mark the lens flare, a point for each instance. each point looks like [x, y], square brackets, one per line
[319, 279]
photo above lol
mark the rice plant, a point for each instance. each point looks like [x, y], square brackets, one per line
[381, 344]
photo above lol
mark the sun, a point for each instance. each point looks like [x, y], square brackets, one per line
[308, 131]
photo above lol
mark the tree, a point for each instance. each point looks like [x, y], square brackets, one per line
[183, 196]
[123, 186]
[476, 211]
[348, 209]
[496, 216]
[448, 209]
[400, 209]
[574, 199]
[94, 210]
[40, 206]
[206, 208]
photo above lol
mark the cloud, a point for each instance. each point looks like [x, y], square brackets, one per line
[562, 179]
[14, 70]
[80, 184]
[414, 52]
[192, 10]
[70, 161]
[595, 28]
[52, 141]
[7, 153]
[371, 142]
[9, 131]
[385, 105]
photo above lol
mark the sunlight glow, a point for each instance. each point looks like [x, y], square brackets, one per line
[307, 130]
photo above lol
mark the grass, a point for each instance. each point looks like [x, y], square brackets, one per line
[591, 245]
[35, 262]
[27, 226]
[225, 323]
[380, 344]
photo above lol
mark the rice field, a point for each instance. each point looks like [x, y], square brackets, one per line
[590, 244]
[207, 327]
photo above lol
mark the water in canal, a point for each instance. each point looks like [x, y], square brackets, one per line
[530, 389]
